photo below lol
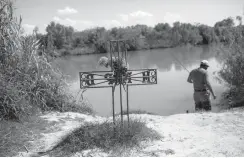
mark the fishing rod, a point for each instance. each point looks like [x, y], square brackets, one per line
[179, 62]
[187, 111]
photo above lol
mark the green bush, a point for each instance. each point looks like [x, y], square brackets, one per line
[232, 72]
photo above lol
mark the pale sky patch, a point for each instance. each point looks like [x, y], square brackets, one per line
[66, 21]
[82, 25]
[108, 24]
[77, 24]
[126, 12]
[67, 10]
[56, 19]
[140, 14]
[237, 22]
[124, 17]
[172, 17]
[137, 17]
[28, 28]
[88, 23]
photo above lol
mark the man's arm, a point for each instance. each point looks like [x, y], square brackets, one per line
[189, 79]
[206, 79]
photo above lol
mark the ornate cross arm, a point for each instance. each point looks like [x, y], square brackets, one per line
[103, 79]
[142, 77]
[96, 79]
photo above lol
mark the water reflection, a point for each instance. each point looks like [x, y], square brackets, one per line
[171, 95]
[163, 59]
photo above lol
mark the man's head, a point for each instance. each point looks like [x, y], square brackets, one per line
[204, 64]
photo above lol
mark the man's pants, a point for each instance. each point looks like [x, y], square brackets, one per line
[202, 101]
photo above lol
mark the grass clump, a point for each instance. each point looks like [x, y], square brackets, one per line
[106, 136]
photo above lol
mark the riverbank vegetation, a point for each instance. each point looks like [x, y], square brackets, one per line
[232, 72]
[27, 80]
[60, 40]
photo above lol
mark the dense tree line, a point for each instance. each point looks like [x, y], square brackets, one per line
[61, 40]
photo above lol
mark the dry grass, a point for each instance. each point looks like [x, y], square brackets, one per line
[106, 136]
[17, 136]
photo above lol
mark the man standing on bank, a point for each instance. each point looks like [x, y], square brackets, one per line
[202, 87]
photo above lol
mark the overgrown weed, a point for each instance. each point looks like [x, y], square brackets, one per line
[106, 136]
[27, 78]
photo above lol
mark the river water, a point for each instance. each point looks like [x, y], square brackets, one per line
[171, 95]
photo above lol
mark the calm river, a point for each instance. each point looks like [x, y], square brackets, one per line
[171, 95]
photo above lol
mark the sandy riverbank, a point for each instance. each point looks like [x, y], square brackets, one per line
[192, 134]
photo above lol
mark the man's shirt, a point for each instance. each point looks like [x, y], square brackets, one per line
[200, 80]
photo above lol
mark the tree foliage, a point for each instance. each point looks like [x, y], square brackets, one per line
[60, 37]
[232, 72]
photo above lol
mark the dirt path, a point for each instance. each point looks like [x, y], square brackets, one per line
[207, 134]
[58, 126]
[193, 134]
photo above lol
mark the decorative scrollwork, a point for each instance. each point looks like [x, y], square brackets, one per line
[109, 77]
[96, 79]
[118, 76]
[87, 79]
[153, 76]
[140, 77]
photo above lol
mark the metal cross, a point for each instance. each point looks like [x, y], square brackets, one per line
[118, 76]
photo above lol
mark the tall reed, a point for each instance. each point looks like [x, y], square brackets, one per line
[28, 81]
